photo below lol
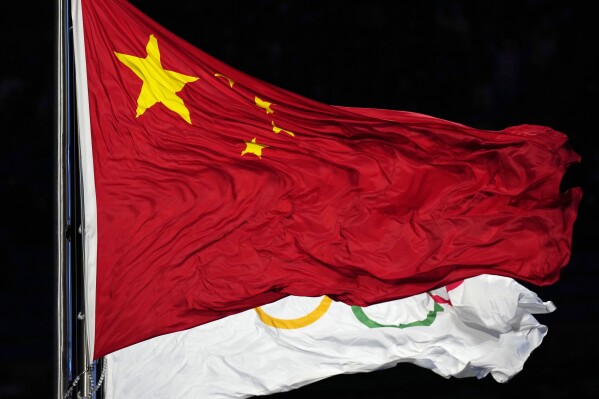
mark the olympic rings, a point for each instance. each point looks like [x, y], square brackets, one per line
[300, 322]
[358, 312]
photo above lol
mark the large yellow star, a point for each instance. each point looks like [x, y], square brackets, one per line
[159, 85]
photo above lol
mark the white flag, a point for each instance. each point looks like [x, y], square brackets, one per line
[483, 325]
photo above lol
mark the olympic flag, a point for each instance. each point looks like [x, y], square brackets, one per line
[483, 325]
[208, 192]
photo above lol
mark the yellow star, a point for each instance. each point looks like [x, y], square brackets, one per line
[263, 104]
[251, 147]
[278, 130]
[231, 81]
[159, 85]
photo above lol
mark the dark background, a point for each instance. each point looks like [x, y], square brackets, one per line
[487, 64]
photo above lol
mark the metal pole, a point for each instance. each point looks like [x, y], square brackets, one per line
[79, 312]
[62, 369]
[71, 353]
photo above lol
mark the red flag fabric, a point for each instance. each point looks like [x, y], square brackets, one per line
[208, 192]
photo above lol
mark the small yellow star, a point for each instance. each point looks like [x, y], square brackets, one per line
[159, 85]
[231, 81]
[278, 130]
[263, 104]
[251, 147]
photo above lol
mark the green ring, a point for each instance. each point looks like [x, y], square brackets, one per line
[368, 322]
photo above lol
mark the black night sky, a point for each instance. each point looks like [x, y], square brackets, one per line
[485, 64]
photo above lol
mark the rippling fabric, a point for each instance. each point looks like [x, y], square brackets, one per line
[216, 192]
[485, 326]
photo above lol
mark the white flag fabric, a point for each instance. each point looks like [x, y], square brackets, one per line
[482, 325]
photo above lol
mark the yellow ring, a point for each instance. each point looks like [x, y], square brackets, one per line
[295, 323]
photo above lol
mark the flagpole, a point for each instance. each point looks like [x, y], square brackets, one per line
[76, 375]
[82, 356]
[71, 374]
[62, 369]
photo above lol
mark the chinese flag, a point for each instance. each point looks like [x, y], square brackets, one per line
[208, 192]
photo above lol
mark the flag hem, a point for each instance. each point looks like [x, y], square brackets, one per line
[88, 200]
